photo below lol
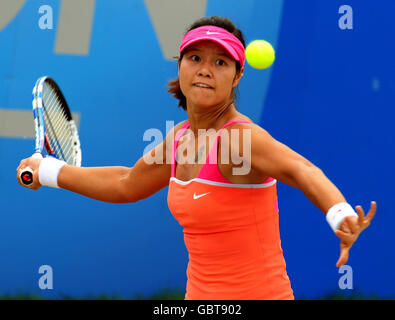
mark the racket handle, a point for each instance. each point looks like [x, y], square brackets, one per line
[26, 175]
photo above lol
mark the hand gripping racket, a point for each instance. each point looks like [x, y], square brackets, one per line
[56, 132]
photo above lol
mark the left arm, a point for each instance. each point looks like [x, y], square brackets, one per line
[278, 161]
[274, 159]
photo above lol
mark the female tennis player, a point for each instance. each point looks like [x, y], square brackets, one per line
[230, 220]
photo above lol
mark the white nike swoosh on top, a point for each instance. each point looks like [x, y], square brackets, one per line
[199, 196]
[209, 32]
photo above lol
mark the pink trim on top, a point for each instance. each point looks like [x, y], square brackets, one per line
[209, 171]
[175, 144]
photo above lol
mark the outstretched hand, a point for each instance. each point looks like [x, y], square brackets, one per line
[350, 229]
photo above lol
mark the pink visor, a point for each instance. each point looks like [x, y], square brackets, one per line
[218, 35]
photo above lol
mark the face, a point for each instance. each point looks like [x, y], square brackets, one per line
[207, 74]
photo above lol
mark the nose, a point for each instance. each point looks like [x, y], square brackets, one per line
[204, 71]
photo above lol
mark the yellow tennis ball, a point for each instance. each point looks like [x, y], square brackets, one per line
[260, 54]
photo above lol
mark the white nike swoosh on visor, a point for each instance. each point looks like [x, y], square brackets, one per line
[199, 196]
[208, 32]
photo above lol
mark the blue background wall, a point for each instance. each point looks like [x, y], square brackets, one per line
[329, 96]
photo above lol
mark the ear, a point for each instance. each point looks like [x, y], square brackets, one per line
[238, 78]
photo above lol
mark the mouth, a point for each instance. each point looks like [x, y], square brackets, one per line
[202, 85]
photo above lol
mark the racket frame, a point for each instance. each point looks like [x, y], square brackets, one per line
[41, 140]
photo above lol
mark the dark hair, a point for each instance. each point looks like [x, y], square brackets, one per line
[222, 22]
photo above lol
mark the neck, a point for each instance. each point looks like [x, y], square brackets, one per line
[210, 118]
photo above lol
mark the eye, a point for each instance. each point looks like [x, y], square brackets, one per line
[220, 62]
[195, 58]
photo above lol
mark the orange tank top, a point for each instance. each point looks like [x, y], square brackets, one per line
[231, 232]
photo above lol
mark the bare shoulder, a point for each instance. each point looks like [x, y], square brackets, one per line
[246, 139]
[251, 129]
[173, 132]
[178, 126]
[170, 137]
[264, 154]
[160, 153]
[242, 144]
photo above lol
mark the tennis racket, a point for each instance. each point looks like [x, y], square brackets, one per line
[55, 130]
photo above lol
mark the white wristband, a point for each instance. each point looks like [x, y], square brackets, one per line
[49, 170]
[337, 213]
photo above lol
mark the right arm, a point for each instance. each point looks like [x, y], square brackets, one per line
[115, 184]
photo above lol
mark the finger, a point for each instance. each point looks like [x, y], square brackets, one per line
[372, 211]
[18, 178]
[361, 215]
[344, 227]
[344, 237]
[351, 224]
[343, 257]
[22, 164]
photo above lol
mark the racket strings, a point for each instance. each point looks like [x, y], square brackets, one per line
[57, 126]
[60, 121]
[56, 118]
[57, 132]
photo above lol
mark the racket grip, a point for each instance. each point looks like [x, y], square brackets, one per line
[26, 175]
